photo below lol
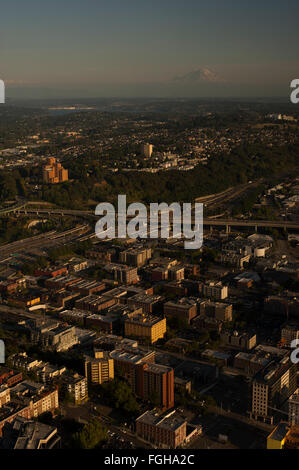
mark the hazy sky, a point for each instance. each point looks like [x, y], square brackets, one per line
[149, 48]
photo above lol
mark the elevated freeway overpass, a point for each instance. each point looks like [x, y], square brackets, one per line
[208, 222]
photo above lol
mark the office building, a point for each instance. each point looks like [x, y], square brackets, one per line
[149, 303]
[54, 172]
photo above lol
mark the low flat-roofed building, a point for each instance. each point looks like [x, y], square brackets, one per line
[148, 303]
[77, 264]
[117, 293]
[183, 384]
[239, 340]
[24, 433]
[75, 316]
[9, 377]
[24, 362]
[165, 431]
[218, 356]
[109, 323]
[94, 303]
[250, 363]
[277, 438]
[110, 342]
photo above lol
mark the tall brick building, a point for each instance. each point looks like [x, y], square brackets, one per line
[148, 380]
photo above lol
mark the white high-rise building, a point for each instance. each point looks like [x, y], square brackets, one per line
[147, 150]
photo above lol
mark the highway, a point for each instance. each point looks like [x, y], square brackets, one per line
[283, 224]
[44, 240]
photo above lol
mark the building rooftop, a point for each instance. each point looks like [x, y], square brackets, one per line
[273, 371]
[142, 319]
[27, 434]
[132, 355]
[280, 432]
[158, 368]
[171, 421]
[146, 298]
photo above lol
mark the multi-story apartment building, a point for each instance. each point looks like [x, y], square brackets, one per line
[159, 273]
[136, 256]
[166, 431]
[244, 340]
[56, 337]
[123, 273]
[272, 386]
[157, 384]
[75, 386]
[4, 395]
[218, 310]
[100, 368]
[145, 326]
[184, 308]
[213, 290]
[103, 255]
[148, 380]
[54, 172]
[176, 273]
[9, 377]
[38, 397]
